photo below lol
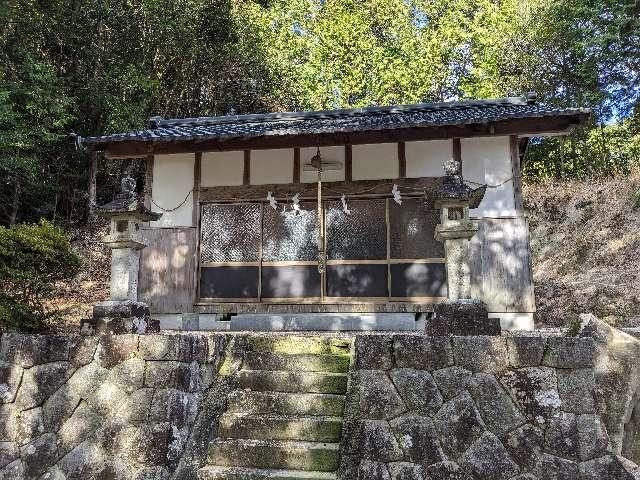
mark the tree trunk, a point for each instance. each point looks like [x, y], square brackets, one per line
[15, 202]
[91, 197]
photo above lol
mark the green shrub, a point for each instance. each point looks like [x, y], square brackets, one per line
[33, 257]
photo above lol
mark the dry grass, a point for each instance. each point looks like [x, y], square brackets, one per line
[585, 238]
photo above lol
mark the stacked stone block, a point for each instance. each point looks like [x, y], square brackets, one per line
[417, 408]
[475, 408]
[111, 407]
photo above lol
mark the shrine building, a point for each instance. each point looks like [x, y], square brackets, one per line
[333, 211]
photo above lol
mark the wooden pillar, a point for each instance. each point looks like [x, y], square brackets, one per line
[457, 152]
[246, 176]
[197, 168]
[516, 173]
[296, 165]
[91, 190]
[148, 181]
[402, 160]
[348, 163]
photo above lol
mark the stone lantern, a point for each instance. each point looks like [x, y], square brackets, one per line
[459, 314]
[123, 313]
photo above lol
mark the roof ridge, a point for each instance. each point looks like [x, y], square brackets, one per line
[160, 122]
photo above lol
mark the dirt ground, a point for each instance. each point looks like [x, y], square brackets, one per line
[585, 239]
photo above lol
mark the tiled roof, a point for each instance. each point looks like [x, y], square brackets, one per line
[344, 121]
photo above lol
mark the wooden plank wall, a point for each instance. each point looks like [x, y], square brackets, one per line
[501, 265]
[166, 281]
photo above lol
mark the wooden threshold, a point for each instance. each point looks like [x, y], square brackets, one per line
[316, 307]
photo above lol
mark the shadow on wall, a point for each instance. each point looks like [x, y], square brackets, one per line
[120, 407]
[167, 274]
[500, 265]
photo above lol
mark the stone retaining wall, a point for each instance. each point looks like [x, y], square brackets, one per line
[112, 407]
[485, 408]
[419, 408]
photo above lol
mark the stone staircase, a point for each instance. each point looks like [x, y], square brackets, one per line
[284, 422]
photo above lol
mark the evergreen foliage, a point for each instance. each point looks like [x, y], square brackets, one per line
[95, 67]
[33, 257]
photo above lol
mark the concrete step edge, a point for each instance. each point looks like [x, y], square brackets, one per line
[300, 362]
[298, 344]
[274, 454]
[275, 416]
[286, 403]
[294, 382]
[213, 472]
[289, 372]
[277, 443]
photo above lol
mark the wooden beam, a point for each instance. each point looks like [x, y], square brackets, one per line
[514, 146]
[530, 126]
[91, 194]
[197, 169]
[348, 162]
[246, 175]
[402, 160]
[197, 185]
[296, 165]
[148, 181]
[457, 150]
[365, 188]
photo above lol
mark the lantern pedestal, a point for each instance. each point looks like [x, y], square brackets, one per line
[459, 314]
[123, 313]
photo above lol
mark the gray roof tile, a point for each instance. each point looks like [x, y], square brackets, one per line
[333, 121]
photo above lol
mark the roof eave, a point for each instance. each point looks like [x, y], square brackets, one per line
[559, 123]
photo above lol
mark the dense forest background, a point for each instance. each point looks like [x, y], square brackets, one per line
[88, 67]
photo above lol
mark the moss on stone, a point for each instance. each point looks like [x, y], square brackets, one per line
[299, 345]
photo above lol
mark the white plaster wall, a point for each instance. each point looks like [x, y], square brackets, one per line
[488, 160]
[271, 166]
[334, 154]
[510, 321]
[222, 168]
[373, 162]
[425, 159]
[172, 181]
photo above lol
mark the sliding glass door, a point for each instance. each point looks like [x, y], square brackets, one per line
[376, 251]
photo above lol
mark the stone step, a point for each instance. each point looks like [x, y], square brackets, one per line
[292, 382]
[264, 403]
[278, 427]
[296, 362]
[265, 322]
[286, 455]
[235, 473]
[298, 345]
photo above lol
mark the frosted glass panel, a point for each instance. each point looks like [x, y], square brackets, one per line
[412, 227]
[230, 233]
[290, 235]
[360, 235]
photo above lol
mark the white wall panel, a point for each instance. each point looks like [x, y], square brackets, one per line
[373, 162]
[488, 160]
[222, 168]
[271, 166]
[172, 181]
[425, 159]
[333, 154]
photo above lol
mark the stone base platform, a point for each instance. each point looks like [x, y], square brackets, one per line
[324, 322]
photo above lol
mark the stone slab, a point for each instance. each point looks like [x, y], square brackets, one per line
[462, 318]
[324, 322]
